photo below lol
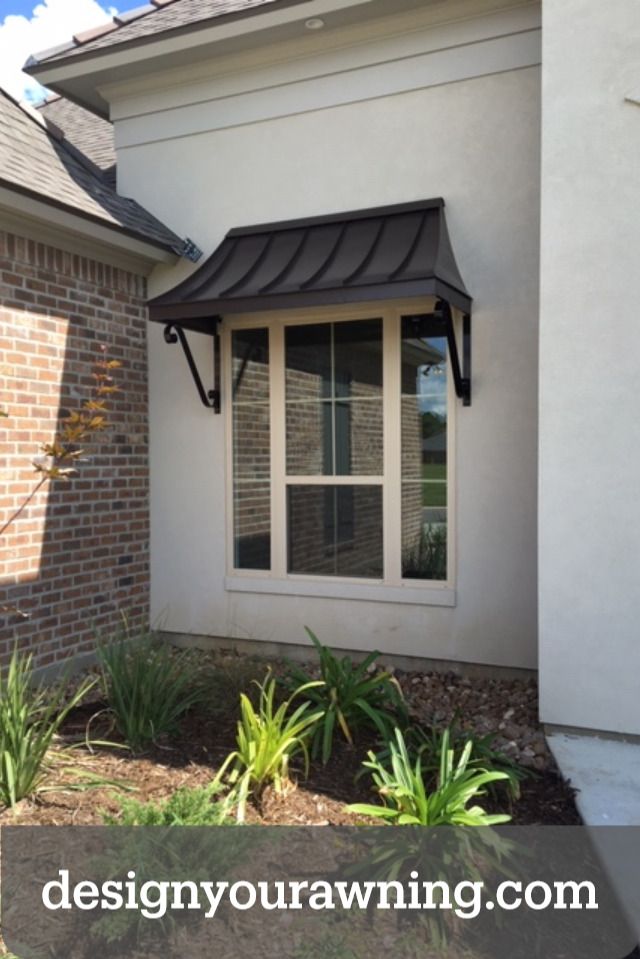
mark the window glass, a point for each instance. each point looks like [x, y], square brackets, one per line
[251, 449]
[424, 450]
[333, 382]
[325, 425]
[335, 530]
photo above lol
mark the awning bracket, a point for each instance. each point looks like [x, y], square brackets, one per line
[173, 333]
[461, 371]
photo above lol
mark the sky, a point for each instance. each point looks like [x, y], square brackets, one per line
[29, 26]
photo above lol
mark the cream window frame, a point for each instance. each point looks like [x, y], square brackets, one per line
[391, 587]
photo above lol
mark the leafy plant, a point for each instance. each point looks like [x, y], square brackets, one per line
[226, 678]
[483, 754]
[350, 698]
[267, 738]
[148, 686]
[30, 719]
[186, 807]
[407, 802]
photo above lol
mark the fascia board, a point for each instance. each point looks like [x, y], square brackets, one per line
[47, 224]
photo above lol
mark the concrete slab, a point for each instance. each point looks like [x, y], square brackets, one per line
[607, 774]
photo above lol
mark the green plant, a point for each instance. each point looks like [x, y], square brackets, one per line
[267, 738]
[148, 686]
[30, 719]
[483, 754]
[350, 697]
[428, 558]
[407, 802]
[186, 807]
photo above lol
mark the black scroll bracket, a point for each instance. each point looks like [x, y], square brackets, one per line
[173, 333]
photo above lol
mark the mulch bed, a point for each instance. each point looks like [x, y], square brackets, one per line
[507, 708]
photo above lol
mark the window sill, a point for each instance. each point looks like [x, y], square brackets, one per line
[412, 595]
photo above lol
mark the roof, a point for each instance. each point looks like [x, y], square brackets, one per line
[147, 22]
[92, 135]
[382, 253]
[37, 161]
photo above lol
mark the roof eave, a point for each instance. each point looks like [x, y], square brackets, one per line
[22, 210]
[85, 76]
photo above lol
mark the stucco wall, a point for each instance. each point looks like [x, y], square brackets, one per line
[590, 345]
[476, 143]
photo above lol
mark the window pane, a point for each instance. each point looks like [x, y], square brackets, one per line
[424, 450]
[335, 438]
[251, 449]
[252, 526]
[309, 439]
[357, 359]
[251, 446]
[250, 366]
[334, 399]
[335, 530]
[308, 362]
[424, 535]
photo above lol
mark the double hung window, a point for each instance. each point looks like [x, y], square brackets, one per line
[339, 432]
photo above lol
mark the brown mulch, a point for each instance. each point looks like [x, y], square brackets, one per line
[507, 708]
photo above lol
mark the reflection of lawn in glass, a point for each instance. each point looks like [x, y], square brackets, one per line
[434, 491]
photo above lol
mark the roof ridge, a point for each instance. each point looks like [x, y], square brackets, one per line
[86, 36]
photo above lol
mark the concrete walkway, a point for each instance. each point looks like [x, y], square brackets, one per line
[607, 774]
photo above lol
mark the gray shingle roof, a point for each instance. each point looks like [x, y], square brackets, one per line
[147, 22]
[36, 160]
[92, 135]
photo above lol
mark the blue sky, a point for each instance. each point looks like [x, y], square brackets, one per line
[28, 26]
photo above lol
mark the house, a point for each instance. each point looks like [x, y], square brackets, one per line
[376, 185]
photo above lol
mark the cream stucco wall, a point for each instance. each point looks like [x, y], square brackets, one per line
[474, 142]
[589, 355]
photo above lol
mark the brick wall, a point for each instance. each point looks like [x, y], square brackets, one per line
[78, 555]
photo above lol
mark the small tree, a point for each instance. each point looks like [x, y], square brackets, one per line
[59, 458]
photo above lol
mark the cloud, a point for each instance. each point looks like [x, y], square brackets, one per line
[52, 22]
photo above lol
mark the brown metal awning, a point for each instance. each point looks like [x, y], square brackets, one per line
[378, 254]
[392, 252]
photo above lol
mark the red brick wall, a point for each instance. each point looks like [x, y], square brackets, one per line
[78, 555]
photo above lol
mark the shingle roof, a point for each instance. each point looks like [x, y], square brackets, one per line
[92, 135]
[147, 22]
[37, 161]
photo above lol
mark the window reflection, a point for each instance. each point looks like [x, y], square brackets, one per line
[424, 450]
[335, 530]
[334, 399]
[251, 449]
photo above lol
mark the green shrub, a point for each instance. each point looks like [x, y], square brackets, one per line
[186, 807]
[401, 786]
[30, 720]
[350, 698]
[483, 754]
[148, 686]
[267, 738]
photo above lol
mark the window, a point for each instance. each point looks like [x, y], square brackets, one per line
[339, 436]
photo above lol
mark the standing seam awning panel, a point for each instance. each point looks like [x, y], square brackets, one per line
[384, 253]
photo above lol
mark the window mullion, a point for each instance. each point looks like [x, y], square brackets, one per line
[278, 453]
[392, 512]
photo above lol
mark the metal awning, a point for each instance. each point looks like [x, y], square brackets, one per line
[383, 253]
[393, 252]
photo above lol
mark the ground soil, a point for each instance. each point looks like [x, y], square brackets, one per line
[507, 708]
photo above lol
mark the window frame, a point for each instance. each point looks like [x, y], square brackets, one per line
[391, 587]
